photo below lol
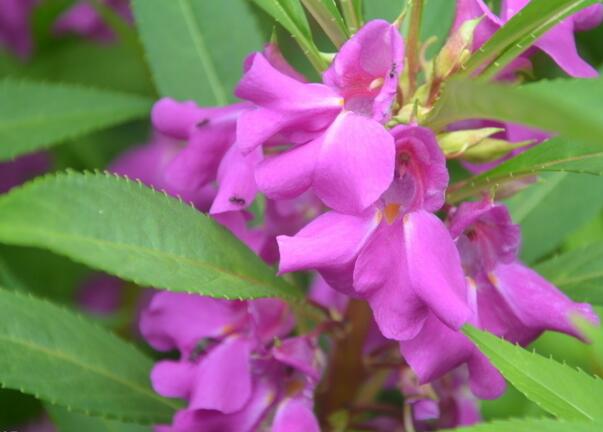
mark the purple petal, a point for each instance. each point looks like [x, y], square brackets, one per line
[367, 68]
[355, 165]
[381, 276]
[588, 18]
[245, 420]
[176, 119]
[288, 174]
[322, 293]
[236, 181]
[471, 9]
[536, 302]
[15, 28]
[18, 171]
[485, 235]
[333, 239]
[436, 274]
[421, 175]
[300, 353]
[173, 378]
[437, 350]
[295, 415]
[178, 320]
[272, 318]
[284, 104]
[223, 380]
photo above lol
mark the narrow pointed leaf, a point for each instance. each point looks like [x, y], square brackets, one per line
[562, 391]
[571, 107]
[555, 155]
[61, 358]
[579, 273]
[73, 422]
[37, 115]
[136, 233]
[290, 14]
[571, 199]
[532, 425]
[521, 31]
[327, 15]
[189, 45]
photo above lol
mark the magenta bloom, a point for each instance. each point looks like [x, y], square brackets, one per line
[386, 255]
[558, 42]
[18, 171]
[506, 297]
[82, 19]
[100, 294]
[15, 26]
[231, 371]
[148, 163]
[341, 150]
[509, 299]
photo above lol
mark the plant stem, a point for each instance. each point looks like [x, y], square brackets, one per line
[333, 25]
[347, 370]
[413, 43]
[351, 14]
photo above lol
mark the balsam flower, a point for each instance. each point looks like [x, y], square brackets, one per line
[385, 255]
[340, 148]
[233, 371]
[506, 298]
[84, 20]
[18, 171]
[558, 42]
[509, 299]
[15, 26]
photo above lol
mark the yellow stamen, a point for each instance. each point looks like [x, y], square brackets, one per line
[391, 211]
[376, 83]
[493, 279]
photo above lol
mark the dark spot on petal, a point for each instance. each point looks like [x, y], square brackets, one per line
[392, 71]
[471, 234]
[203, 123]
[237, 200]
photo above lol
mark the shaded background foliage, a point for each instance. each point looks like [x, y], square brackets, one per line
[561, 216]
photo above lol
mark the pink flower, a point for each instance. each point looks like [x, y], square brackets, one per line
[231, 370]
[385, 255]
[558, 42]
[84, 20]
[15, 26]
[341, 150]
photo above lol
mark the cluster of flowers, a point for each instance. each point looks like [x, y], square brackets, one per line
[81, 19]
[351, 193]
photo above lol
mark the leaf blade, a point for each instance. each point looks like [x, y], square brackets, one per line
[37, 115]
[185, 43]
[577, 273]
[60, 357]
[133, 236]
[562, 391]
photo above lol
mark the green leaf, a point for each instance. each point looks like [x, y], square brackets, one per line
[554, 155]
[136, 233]
[533, 425]
[67, 421]
[61, 358]
[290, 14]
[520, 32]
[196, 48]
[571, 107]
[37, 115]
[560, 390]
[327, 15]
[579, 273]
[554, 208]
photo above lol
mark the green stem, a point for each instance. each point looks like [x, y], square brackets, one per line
[413, 42]
[351, 14]
[333, 25]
